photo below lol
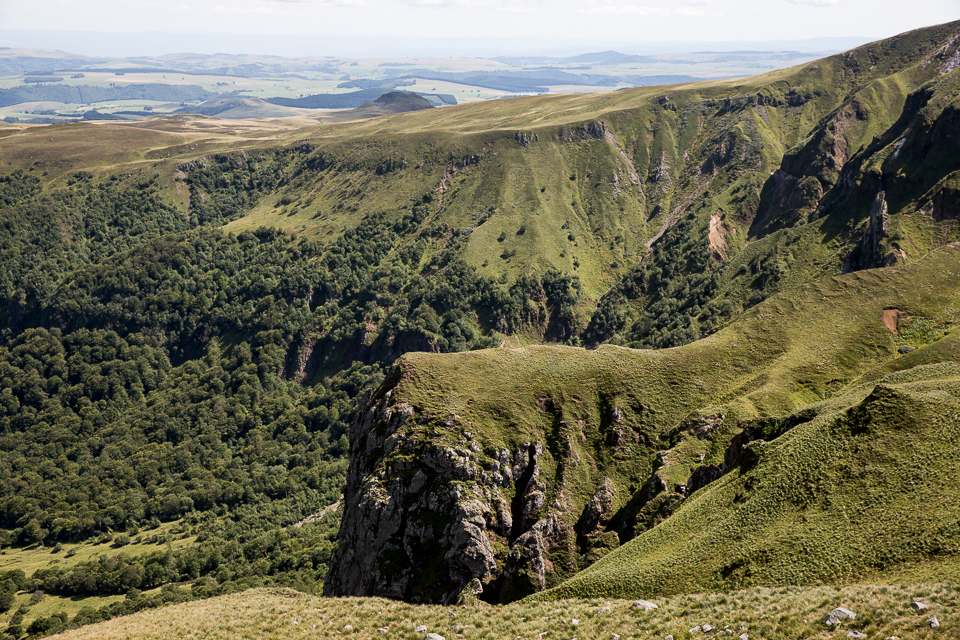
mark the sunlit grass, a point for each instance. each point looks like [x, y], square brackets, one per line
[770, 614]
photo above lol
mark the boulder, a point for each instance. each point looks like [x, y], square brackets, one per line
[933, 622]
[838, 615]
[918, 606]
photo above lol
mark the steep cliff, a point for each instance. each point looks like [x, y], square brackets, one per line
[435, 506]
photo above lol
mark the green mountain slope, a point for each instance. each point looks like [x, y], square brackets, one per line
[605, 444]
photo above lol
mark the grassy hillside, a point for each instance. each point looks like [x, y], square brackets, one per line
[815, 373]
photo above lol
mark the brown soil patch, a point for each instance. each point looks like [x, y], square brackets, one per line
[890, 319]
[718, 237]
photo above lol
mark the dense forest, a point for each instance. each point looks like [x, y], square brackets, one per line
[157, 369]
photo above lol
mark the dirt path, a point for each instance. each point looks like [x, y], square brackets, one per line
[321, 513]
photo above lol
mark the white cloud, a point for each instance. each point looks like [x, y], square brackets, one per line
[693, 10]
[816, 3]
[325, 3]
[625, 10]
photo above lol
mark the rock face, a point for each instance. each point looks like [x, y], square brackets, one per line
[436, 513]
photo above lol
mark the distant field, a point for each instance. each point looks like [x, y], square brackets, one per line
[29, 559]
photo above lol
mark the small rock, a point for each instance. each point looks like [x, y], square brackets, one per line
[420, 628]
[575, 622]
[541, 634]
[838, 615]
[604, 609]
[433, 636]
[348, 627]
[383, 629]
[667, 637]
[294, 622]
[856, 635]
[696, 629]
[744, 636]
[643, 604]
[707, 628]
[615, 636]
[906, 349]
[934, 623]
[918, 606]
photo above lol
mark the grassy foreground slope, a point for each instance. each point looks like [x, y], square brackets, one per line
[771, 614]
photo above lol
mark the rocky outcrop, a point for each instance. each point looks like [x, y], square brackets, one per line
[867, 253]
[426, 519]
[436, 510]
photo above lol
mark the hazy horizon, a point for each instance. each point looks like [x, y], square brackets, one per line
[131, 45]
[461, 28]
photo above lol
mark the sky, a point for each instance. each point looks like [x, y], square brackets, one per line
[632, 25]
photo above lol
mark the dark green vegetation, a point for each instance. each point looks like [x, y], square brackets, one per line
[157, 368]
[204, 375]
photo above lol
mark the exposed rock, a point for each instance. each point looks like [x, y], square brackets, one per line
[906, 349]
[477, 517]
[599, 508]
[867, 253]
[433, 636]
[707, 628]
[933, 622]
[918, 606]
[696, 629]
[838, 615]
[856, 635]
[420, 628]
[643, 604]
[702, 476]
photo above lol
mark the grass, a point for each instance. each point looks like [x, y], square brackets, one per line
[29, 559]
[771, 614]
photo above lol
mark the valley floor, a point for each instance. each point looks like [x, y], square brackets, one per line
[761, 613]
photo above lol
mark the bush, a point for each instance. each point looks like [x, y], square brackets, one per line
[7, 598]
